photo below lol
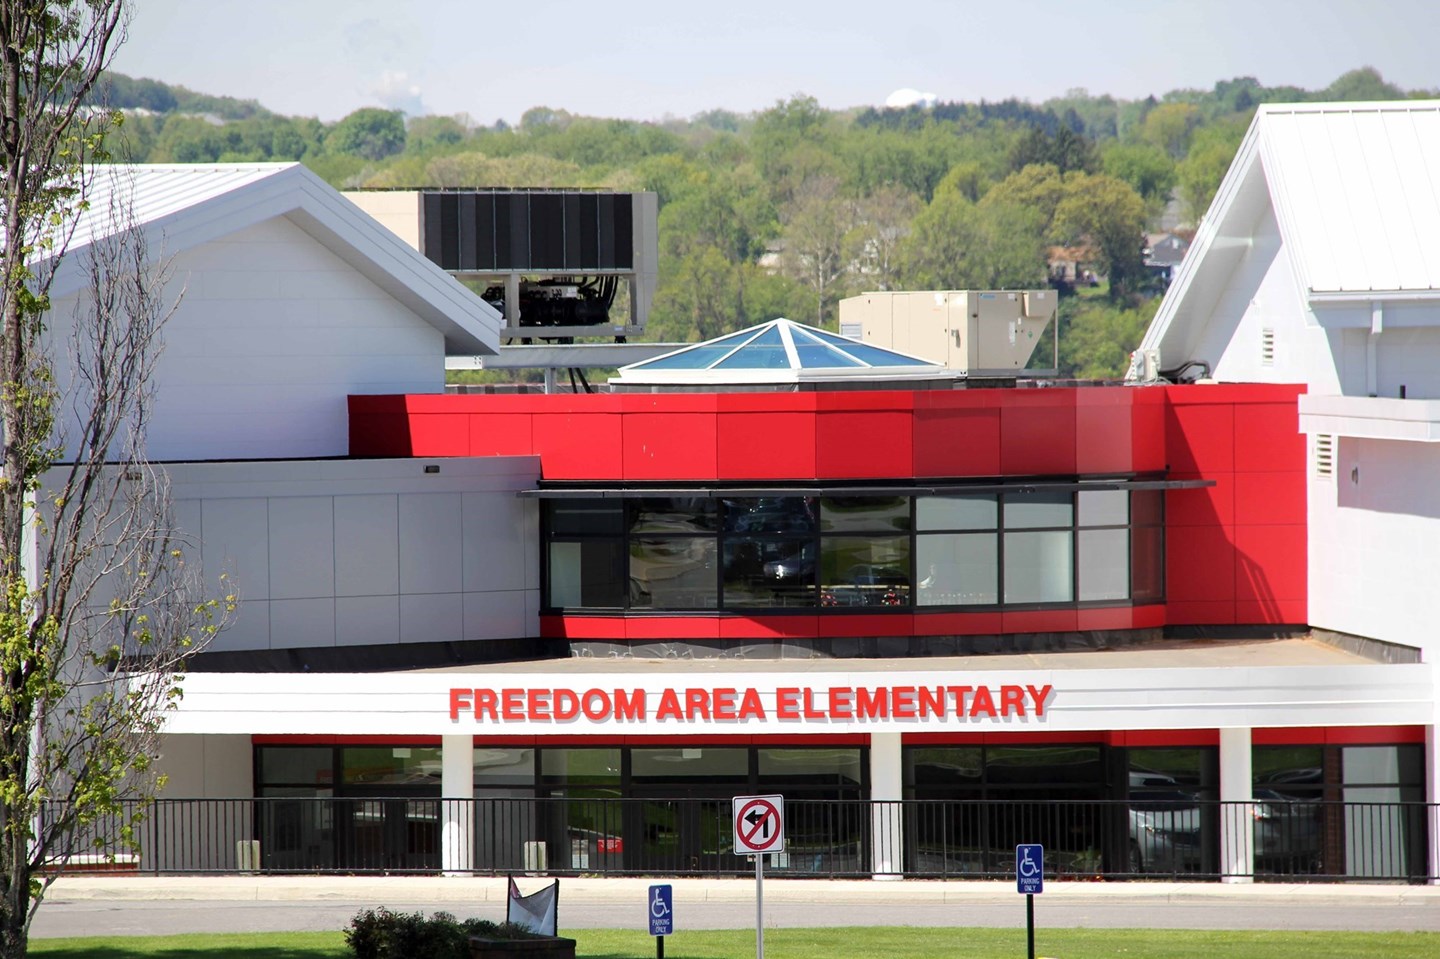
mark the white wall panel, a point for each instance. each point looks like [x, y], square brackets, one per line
[494, 542]
[430, 543]
[249, 627]
[367, 546]
[368, 551]
[367, 620]
[234, 540]
[435, 618]
[495, 615]
[302, 547]
[298, 623]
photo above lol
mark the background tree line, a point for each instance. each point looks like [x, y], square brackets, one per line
[786, 211]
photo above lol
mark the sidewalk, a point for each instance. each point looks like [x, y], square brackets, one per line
[467, 889]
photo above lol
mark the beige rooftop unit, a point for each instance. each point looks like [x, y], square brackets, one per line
[982, 333]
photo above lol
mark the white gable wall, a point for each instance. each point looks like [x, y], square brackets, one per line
[272, 333]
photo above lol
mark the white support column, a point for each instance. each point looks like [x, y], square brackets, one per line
[1237, 825]
[1432, 788]
[457, 790]
[887, 783]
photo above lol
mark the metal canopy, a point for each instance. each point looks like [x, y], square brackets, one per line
[945, 489]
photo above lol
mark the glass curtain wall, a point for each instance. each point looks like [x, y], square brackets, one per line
[1026, 548]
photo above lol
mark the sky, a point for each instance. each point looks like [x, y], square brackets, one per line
[649, 59]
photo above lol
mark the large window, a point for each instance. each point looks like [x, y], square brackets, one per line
[1023, 548]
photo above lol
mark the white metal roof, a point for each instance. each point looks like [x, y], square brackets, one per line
[181, 206]
[1355, 188]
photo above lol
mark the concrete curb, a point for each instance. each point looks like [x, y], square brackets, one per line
[469, 889]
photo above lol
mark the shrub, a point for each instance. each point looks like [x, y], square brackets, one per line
[382, 934]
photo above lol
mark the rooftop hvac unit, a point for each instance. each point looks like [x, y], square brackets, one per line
[552, 261]
[982, 333]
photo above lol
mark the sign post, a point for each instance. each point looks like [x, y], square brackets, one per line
[662, 916]
[759, 830]
[1029, 880]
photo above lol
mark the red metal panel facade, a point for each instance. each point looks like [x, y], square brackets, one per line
[1235, 552]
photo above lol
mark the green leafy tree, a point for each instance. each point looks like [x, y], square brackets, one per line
[1065, 150]
[1202, 170]
[84, 681]
[370, 133]
[955, 245]
[1148, 169]
[1362, 84]
[1109, 215]
[1097, 337]
[816, 224]
[1169, 126]
[872, 247]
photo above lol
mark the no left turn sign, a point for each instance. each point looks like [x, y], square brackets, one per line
[759, 824]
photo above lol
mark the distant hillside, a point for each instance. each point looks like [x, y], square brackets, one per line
[130, 93]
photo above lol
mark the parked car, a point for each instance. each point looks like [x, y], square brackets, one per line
[1165, 825]
[1287, 833]
[798, 567]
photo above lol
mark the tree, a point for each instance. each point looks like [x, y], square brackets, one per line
[1148, 170]
[97, 609]
[873, 244]
[958, 245]
[369, 132]
[1200, 173]
[1109, 215]
[1066, 150]
[1169, 126]
[815, 226]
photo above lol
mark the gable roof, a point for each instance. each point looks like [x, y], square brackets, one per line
[780, 351]
[1355, 189]
[182, 206]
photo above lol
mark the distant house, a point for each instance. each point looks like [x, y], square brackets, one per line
[1067, 266]
[1163, 253]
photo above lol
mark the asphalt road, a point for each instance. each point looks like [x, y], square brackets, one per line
[1256, 911]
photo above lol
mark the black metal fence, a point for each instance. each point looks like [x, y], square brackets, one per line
[948, 839]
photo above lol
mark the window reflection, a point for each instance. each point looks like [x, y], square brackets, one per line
[1026, 547]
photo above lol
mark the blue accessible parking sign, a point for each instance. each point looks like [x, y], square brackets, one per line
[662, 916]
[1030, 869]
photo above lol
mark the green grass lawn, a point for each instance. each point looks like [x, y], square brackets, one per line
[890, 943]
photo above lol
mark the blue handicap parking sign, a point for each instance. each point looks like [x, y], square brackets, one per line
[662, 916]
[1030, 868]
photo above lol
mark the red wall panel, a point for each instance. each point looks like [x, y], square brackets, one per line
[1037, 433]
[1199, 564]
[1268, 437]
[769, 627]
[1204, 505]
[1270, 562]
[440, 434]
[579, 445]
[863, 444]
[958, 624]
[1269, 499]
[1200, 437]
[668, 446]
[502, 434]
[765, 446]
[1104, 438]
[957, 442]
